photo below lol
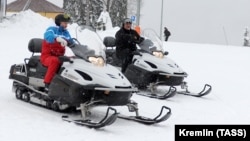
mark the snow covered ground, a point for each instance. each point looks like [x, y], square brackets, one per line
[226, 68]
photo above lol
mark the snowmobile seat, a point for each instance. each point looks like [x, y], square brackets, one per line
[109, 43]
[35, 45]
[34, 65]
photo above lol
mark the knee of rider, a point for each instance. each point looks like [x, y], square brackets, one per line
[54, 61]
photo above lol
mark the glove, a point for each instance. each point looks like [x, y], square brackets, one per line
[133, 38]
[141, 39]
[65, 59]
[62, 41]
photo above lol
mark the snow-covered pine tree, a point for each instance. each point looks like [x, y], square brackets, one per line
[83, 12]
[86, 12]
[75, 9]
[117, 11]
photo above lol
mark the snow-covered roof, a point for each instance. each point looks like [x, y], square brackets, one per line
[34, 5]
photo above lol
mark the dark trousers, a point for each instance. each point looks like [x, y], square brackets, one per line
[126, 61]
[166, 38]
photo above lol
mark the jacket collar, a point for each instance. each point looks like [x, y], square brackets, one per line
[61, 29]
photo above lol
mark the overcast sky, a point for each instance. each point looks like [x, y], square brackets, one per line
[210, 21]
[198, 21]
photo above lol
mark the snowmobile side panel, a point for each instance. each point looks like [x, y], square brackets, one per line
[170, 80]
[113, 98]
[139, 76]
[67, 92]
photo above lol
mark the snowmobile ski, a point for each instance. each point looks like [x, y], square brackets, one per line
[171, 92]
[206, 90]
[149, 121]
[107, 120]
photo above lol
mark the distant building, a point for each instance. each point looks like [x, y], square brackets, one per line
[42, 7]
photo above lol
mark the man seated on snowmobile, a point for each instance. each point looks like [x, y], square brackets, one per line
[126, 40]
[56, 38]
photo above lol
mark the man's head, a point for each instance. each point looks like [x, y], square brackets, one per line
[127, 23]
[62, 20]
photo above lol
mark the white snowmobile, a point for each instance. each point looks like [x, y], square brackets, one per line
[151, 69]
[82, 82]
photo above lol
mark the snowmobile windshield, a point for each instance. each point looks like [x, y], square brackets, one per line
[92, 50]
[86, 51]
[152, 42]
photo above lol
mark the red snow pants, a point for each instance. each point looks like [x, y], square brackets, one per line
[53, 64]
[49, 58]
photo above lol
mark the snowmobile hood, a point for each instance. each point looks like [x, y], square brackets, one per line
[86, 73]
[151, 63]
[153, 58]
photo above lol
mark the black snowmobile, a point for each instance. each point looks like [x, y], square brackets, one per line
[151, 69]
[82, 82]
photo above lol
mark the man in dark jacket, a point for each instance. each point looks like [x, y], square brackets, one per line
[166, 33]
[126, 40]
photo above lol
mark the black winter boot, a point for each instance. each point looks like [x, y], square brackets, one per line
[46, 88]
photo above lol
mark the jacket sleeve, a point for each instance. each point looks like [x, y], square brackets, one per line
[138, 38]
[68, 38]
[50, 35]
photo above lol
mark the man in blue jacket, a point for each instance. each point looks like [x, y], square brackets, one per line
[56, 38]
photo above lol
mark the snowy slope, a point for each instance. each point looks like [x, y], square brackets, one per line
[226, 68]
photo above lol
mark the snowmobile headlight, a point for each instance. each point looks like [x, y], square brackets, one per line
[97, 61]
[158, 54]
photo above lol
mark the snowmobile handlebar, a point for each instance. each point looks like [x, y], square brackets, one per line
[136, 53]
[65, 59]
[138, 41]
[75, 42]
